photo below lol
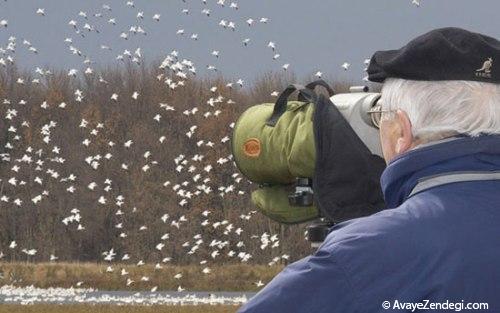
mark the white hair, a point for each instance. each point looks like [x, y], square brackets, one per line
[439, 109]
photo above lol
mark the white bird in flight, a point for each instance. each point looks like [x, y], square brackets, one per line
[345, 66]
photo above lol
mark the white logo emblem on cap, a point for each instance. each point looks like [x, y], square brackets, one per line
[485, 70]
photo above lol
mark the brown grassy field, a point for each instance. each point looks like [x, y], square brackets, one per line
[46, 308]
[231, 277]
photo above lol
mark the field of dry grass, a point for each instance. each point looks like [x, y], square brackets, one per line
[80, 308]
[231, 277]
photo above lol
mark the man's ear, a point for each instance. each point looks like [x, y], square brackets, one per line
[405, 137]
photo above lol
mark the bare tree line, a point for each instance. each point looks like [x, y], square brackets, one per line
[140, 195]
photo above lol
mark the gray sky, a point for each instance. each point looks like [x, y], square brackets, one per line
[311, 35]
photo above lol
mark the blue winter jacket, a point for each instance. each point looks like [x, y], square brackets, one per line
[440, 245]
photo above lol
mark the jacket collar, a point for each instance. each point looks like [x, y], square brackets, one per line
[460, 153]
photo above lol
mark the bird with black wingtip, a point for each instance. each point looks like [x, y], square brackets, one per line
[436, 244]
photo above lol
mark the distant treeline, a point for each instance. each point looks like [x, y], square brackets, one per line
[109, 160]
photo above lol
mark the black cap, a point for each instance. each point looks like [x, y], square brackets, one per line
[442, 54]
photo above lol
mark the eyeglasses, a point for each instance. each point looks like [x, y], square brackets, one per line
[376, 114]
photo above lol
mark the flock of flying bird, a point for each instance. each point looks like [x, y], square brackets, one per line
[179, 69]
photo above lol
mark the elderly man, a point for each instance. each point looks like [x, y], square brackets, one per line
[436, 245]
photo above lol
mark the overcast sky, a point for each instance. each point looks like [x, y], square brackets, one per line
[311, 35]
